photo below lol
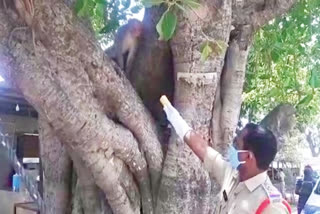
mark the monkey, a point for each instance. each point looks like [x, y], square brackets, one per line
[126, 44]
[140, 78]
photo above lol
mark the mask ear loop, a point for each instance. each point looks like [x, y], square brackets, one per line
[250, 155]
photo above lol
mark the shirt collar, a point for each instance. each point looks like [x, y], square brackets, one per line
[254, 182]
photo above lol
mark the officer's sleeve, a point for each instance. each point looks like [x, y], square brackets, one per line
[276, 208]
[216, 165]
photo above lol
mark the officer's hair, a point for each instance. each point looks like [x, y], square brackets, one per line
[262, 143]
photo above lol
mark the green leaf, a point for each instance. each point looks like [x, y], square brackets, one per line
[100, 10]
[306, 100]
[90, 8]
[301, 49]
[221, 47]
[125, 3]
[101, 2]
[265, 76]
[314, 80]
[80, 7]
[215, 48]
[181, 7]
[273, 92]
[159, 29]
[167, 25]
[194, 4]
[117, 4]
[136, 9]
[278, 46]
[108, 28]
[275, 56]
[206, 51]
[150, 3]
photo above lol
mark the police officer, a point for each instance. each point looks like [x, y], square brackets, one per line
[245, 186]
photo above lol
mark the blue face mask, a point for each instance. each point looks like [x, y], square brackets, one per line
[233, 157]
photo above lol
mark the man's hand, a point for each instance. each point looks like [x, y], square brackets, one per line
[194, 140]
[178, 123]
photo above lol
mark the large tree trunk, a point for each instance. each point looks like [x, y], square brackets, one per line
[99, 121]
[208, 94]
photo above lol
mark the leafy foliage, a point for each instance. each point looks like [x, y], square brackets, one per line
[168, 21]
[209, 48]
[206, 51]
[107, 15]
[166, 25]
[284, 65]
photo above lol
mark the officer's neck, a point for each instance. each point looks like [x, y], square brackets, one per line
[247, 173]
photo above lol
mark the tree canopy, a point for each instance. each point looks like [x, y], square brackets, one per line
[107, 16]
[283, 65]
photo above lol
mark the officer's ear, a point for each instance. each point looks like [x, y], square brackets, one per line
[247, 156]
[250, 155]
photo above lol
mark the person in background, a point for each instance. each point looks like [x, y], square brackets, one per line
[282, 183]
[304, 187]
[245, 185]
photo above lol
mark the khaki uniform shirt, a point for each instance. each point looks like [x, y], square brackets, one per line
[242, 197]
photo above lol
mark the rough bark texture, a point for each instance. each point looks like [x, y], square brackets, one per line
[184, 178]
[76, 109]
[65, 75]
[76, 202]
[153, 75]
[90, 194]
[211, 107]
[57, 170]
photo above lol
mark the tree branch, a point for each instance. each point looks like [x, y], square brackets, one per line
[63, 95]
[226, 112]
[115, 93]
[88, 190]
[258, 12]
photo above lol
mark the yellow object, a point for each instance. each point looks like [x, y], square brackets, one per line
[164, 100]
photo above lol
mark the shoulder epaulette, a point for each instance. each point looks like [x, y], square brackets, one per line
[273, 194]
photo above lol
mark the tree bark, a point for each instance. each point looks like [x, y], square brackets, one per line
[211, 106]
[70, 118]
[91, 200]
[76, 202]
[96, 114]
[57, 170]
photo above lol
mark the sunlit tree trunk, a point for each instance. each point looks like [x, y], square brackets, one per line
[98, 119]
